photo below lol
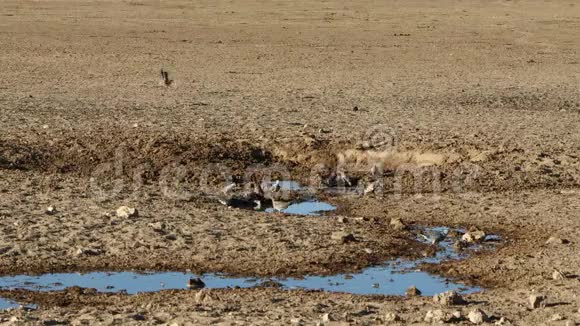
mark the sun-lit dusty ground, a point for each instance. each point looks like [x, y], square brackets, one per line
[481, 97]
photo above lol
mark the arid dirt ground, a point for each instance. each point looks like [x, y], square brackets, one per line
[481, 96]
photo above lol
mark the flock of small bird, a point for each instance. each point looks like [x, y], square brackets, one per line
[258, 197]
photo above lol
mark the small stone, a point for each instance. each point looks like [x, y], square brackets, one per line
[126, 212]
[355, 108]
[537, 301]
[557, 275]
[51, 210]
[476, 316]
[368, 251]
[472, 237]
[412, 291]
[376, 285]
[88, 252]
[195, 283]
[557, 317]
[468, 238]
[397, 224]
[327, 317]
[342, 237]
[342, 219]
[157, 226]
[370, 188]
[448, 298]
[502, 321]
[456, 315]
[436, 316]
[478, 235]
[556, 241]
[296, 321]
[391, 317]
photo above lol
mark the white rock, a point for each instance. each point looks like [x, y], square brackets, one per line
[476, 316]
[51, 210]
[126, 212]
[391, 317]
[327, 317]
[537, 301]
[448, 298]
[475, 236]
[436, 316]
[557, 275]
[553, 240]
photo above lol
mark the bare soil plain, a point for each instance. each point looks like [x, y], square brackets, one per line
[480, 98]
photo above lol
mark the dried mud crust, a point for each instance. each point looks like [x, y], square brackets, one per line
[524, 220]
[215, 159]
[177, 235]
[264, 307]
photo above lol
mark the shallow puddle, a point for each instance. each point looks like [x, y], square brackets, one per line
[392, 278]
[8, 304]
[288, 197]
[312, 208]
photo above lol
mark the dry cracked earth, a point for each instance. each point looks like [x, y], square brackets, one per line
[466, 111]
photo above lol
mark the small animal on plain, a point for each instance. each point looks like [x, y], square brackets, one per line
[165, 76]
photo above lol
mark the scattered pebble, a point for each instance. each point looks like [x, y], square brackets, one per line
[342, 237]
[369, 189]
[556, 241]
[448, 298]
[391, 317]
[557, 317]
[477, 316]
[437, 316]
[342, 219]
[157, 226]
[88, 252]
[327, 317]
[537, 301]
[126, 212]
[472, 237]
[397, 224]
[51, 210]
[557, 275]
[412, 291]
